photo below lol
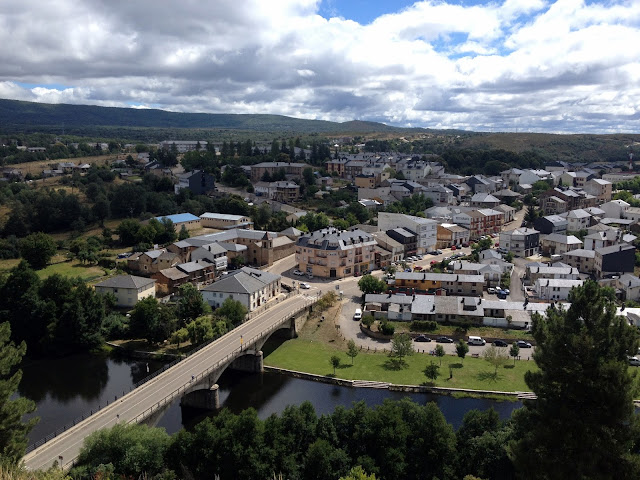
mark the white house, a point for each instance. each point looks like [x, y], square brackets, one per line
[249, 286]
[128, 289]
[577, 220]
[615, 208]
[553, 289]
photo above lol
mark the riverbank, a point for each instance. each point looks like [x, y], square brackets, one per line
[305, 355]
[454, 392]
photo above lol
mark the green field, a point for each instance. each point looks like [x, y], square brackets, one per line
[472, 373]
[73, 269]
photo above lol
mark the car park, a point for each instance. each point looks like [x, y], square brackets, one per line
[444, 340]
[305, 286]
[422, 338]
[500, 343]
[523, 344]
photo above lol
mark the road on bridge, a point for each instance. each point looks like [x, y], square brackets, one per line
[164, 387]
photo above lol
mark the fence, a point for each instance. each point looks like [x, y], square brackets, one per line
[172, 395]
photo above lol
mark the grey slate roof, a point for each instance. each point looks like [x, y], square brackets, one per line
[126, 281]
[245, 280]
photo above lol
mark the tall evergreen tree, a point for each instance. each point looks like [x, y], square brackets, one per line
[13, 431]
[582, 425]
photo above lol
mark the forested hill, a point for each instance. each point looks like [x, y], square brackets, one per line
[17, 116]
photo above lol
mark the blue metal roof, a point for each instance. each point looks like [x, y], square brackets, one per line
[180, 218]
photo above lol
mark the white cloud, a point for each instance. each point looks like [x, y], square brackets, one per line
[562, 66]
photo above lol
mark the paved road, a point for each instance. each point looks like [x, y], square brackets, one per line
[167, 385]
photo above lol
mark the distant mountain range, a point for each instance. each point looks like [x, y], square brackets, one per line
[17, 116]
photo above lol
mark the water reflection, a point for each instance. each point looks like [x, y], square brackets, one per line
[65, 379]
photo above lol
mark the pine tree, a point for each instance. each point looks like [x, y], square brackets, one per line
[13, 431]
[582, 424]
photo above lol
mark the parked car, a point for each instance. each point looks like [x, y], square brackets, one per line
[305, 286]
[500, 343]
[453, 247]
[502, 295]
[418, 268]
[298, 272]
[465, 245]
[358, 314]
[309, 275]
[523, 344]
[634, 361]
[438, 252]
[432, 252]
[491, 290]
[420, 257]
[444, 340]
[433, 262]
[422, 338]
[506, 290]
[407, 269]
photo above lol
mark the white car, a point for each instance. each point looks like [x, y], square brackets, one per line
[305, 286]
[297, 272]
[634, 361]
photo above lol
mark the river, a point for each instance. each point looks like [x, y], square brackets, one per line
[64, 389]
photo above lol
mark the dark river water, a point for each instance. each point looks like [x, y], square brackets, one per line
[64, 389]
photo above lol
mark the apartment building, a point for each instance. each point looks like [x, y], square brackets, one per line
[449, 234]
[291, 169]
[522, 242]
[425, 229]
[333, 253]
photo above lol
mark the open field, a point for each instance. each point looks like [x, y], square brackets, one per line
[73, 268]
[37, 167]
[473, 373]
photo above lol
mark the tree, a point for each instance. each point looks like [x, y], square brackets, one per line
[358, 473]
[495, 357]
[233, 311]
[130, 448]
[514, 351]
[13, 432]
[432, 371]
[200, 330]
[530, 215]
[335, 362]
[151, 320]
[462, 349]
[37, 249]
[583, 423]
[101, 209]
[439, 352]
[370, 284]
[308, 176]
[352, 350]
[191, 304]
[401, 346]
[183, 234]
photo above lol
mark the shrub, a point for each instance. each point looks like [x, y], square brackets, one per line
[423, 326]
[368, 320]
[387, 328]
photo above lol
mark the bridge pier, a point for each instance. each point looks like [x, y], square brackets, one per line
[204, 399]
[250, 362]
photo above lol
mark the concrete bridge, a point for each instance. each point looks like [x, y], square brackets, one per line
[192, 379]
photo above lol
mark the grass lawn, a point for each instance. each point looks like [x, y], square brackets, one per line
[474, 373]
[73, 269]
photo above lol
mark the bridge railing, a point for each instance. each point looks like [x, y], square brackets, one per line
[226, 360]
[166, 367]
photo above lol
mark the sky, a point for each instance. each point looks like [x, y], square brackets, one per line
[569, 66]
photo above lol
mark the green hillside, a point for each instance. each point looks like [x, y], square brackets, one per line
[16, 116]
